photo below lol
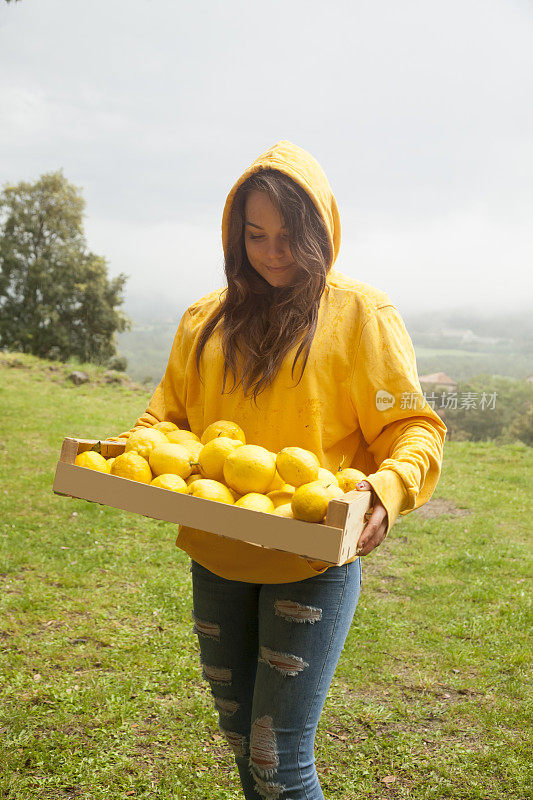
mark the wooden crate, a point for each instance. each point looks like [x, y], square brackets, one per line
[334, 541]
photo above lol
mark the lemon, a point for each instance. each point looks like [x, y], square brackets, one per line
[249, 468]
[334, 491]
[180, 437]
[92, 460]
[170, 481]
[297, 466]
[310, 501]
[194, 477]
[213, 455]
[256, 502]
[173, 458]
[165, 427]
[284, 511]
[281, 496]
[223, 427]
[109, 463]
[194, 448]
[349, 477]
[327, 476]
[143, 441]
[133, 466]
[211, 490]
[278, 481]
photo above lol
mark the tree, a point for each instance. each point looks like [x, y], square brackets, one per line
[506, 414]
[522, 426]
[56, 299]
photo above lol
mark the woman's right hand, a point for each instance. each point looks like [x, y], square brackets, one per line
[375, 529]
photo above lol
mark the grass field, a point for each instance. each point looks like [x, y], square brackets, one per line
[102, 696]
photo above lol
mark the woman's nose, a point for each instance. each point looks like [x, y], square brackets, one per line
[276, 248]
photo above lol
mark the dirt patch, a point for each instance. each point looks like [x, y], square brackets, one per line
[440, 506]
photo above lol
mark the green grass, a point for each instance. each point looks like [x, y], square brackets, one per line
[102, 696]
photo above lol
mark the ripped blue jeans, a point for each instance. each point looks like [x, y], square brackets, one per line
[269, 652]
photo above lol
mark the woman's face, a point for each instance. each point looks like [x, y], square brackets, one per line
[267, 240]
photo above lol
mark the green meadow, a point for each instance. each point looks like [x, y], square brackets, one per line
[101, 694]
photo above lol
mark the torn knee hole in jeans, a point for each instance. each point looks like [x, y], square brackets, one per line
[225, 706]
[211, 630]
[291, 610]
[236, 741]
[286, 663]
[269, 789]
[218, 675]
[264, 759]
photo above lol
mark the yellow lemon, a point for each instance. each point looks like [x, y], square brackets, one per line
[281, 496]
[327, 476]
[256, 502]
[194, 477]
[278, 481]
[194, 448]
[334, 491]
[171, 458]
[133, 466]
[211, 490]
[349, 477]
[180, 437]
[109, 463]
[165, 427]
[92, 460]
[223, 427]
[170, 481]
[249, 468]
[143, 441]
[213, 454]
[284, 511]
[297, 466]
[310, 501]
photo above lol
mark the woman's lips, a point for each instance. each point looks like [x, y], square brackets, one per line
[278, 269]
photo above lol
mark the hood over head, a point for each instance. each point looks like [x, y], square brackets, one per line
[305, 170]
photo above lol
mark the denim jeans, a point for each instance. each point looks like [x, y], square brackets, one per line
[269, 652]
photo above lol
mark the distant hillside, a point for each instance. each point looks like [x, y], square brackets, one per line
[473, 331]
[460, 344]
[147, 347]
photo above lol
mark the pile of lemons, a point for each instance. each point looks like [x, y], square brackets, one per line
[221, 466]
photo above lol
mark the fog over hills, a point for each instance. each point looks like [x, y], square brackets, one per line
[464, 341]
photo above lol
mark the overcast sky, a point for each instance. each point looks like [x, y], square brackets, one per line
[419, 111]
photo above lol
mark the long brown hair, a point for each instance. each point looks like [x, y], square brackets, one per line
[260, 323]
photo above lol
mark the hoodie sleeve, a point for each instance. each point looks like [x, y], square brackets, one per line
[168, 400]
[403, 433]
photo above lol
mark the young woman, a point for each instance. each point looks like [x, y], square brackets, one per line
[317, 360]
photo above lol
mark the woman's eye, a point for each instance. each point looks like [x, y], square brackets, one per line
[285, 237]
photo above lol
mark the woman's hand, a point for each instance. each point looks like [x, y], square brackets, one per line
[376, 528]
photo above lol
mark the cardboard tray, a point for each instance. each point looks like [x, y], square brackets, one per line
[333, 542]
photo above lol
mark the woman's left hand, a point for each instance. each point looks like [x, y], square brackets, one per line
[376, 528]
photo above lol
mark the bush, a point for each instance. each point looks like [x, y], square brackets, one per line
[118, 363]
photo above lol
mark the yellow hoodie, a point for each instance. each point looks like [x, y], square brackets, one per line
[359, 401]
